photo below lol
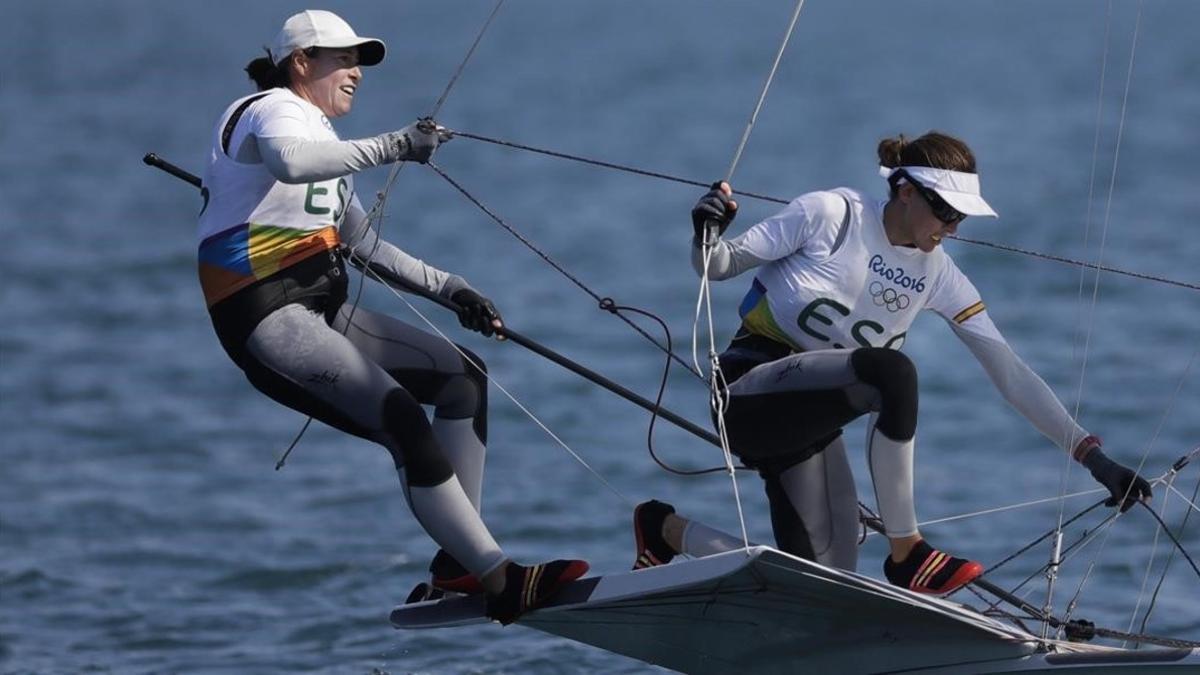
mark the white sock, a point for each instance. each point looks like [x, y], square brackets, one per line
[891, 465]
[465, 453]
[451, 520]
[700, 540]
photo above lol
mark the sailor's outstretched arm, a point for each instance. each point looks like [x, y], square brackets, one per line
[357, 233]
[1018, 383]
[953, 297]
[294, 159]
[1030, 395]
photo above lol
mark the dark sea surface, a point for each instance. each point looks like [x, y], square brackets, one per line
[142, 526]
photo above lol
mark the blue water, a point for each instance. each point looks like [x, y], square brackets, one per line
[141, 524]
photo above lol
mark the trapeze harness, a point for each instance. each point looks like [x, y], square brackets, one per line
[272, 271]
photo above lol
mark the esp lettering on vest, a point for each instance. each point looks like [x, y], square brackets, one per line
[314, 191]
[811, 318]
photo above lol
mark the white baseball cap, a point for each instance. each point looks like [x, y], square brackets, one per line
[319, 28]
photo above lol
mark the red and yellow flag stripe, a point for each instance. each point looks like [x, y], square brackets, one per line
[969, 312]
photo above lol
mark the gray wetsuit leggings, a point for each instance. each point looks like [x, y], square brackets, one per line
[368, 374]
[784, 418]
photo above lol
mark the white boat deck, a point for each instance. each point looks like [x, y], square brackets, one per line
[763, 611]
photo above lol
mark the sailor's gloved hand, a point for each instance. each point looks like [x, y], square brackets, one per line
[477, 312]
[417, 141]
[1124, 486]
[713, 212]
[430, 124]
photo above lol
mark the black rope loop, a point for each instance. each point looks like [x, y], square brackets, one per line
[607, 304]
[610, 305]
[554, 264]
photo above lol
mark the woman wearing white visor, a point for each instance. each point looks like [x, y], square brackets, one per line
[840, 278]
[280, 205]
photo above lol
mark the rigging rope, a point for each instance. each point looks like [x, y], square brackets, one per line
[1178, 546]
[1087, 228]
[1163, 479]
[1150, 562]
[777, 200]
[1167, 565]
[1084, 539]
[1190, 502]
[562, 270]
[1042, 538]
[1077, 629]
[1000, 509]
[437, 107]
[1112, 184]
[737, 156]
[608, 305]
[717, 386]
[1088, 535]
[718, 395]
[1169, 484]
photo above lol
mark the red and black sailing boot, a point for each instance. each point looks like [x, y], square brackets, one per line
[928, 570]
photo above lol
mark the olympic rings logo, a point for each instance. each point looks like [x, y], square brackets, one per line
[889, 297]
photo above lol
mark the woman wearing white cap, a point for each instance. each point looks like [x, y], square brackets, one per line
[279, 207]
[840, 278]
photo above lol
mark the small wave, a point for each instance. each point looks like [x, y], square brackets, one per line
[271, 579]
[31, 583]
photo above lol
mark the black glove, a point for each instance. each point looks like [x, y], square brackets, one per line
[417, 141]
[429, 124]
[1120, 480]
[475, 311]
[715, 207]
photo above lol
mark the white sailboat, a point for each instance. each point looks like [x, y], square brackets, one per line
[763, 611]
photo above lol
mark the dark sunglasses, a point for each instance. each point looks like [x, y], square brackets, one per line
[941, 210]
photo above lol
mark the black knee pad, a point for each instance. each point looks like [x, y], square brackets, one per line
[895, 376]
[477, 371]
[465, 395]
[418, 452]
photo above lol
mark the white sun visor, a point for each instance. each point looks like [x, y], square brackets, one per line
[958, 188]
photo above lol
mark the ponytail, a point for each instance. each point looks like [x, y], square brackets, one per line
[266, 74]
[891, 150]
